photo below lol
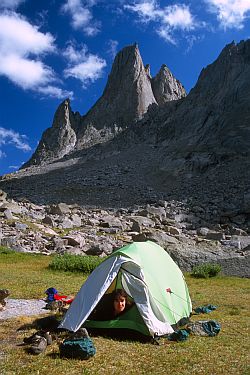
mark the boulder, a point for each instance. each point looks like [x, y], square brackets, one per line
[75, 240]
[8, 214]
[76, 220]
[59, 209]
[140, 223]
[110, 221]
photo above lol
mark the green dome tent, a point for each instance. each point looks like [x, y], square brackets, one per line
[149, 276]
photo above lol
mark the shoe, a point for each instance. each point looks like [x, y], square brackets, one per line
[39, 346]
[36, 336]
[32, 339]
[48, 337]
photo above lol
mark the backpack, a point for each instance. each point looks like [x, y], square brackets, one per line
[204, 328]
[81, 348]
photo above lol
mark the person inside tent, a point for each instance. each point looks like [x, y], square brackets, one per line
[111, 306]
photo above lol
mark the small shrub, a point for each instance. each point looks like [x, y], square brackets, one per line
[206, 270]
[75, 263]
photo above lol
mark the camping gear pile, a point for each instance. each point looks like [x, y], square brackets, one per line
[57, 302]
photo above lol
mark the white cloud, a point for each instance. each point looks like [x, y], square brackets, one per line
[22, 47]
[83, 65]
[177, 17]
[112, 47]
[2, 154]
[82, 17]
[29, 74]
[55, 92]
[14, 166]
[18, 36]
[10, 4]
[166, 34]
[10, 137]
[230, 13]
[168, 19]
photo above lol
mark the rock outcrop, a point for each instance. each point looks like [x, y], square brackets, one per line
[58, 140]
[166, 87]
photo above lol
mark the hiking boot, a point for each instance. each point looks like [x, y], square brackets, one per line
[32, 339]
[39, 346]
[36, 336]
[48, 337]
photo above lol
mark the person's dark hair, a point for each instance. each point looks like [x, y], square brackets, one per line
[120, 293]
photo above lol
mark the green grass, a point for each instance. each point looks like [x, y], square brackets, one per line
[28, 276]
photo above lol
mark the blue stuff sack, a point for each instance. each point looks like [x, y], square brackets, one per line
[211, 327]
[205, 309]
[178, 335]
[81, 348]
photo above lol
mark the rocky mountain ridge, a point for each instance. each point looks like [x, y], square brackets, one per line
[129, 92]
[194, 150]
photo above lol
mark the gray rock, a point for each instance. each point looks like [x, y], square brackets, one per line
[157, 212]
[159, 237]
[3, 196]
[76, 220]
[166, 87]
[59, 209]
[75, 240]
[48, 220]
[216, 236]
[66, 223]
[13, 207]
[109, 221]
[8, 214]
[140, 223]
[21, 226]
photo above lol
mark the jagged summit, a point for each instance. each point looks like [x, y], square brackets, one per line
[166, 87]
[126, 97]
[129, 92]
[58, 140]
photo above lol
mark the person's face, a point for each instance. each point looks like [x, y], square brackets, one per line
[119, 304]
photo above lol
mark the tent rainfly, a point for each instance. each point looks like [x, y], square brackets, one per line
[149, 276]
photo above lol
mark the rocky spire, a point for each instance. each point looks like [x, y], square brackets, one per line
[58, 140]
[166, 87]
[129, 92]
[125, 99]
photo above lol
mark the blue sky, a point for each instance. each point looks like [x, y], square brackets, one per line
[54, 49]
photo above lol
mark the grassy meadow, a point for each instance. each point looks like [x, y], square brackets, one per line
[28, 276]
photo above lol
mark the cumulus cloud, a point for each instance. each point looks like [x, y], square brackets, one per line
[230, 13]
[10, 137]
[167, 19]
[81, 16]
[22, 47]
[10, 4]
[83, 65]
